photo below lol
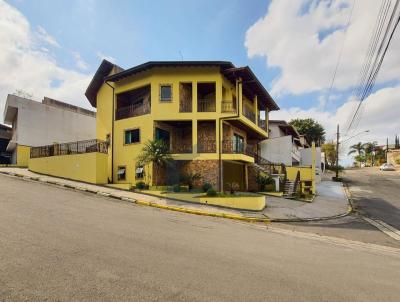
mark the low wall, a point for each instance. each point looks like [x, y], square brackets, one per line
[87, 167]
[256, 203]
[23, 153]
[306, 173]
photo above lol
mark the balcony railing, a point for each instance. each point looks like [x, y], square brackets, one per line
[206, 105]
[180, 148]
[87, 146]
[262, 124]
[249, 114]
[228, 106]
[185, 106]
[206, 146]
[132, 110]
[234, 147]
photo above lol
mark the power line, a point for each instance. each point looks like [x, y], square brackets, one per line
[366, 88]
[340, 52]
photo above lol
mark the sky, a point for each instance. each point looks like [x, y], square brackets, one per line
[52, 48]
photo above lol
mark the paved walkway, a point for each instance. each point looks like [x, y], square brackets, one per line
[330, 201]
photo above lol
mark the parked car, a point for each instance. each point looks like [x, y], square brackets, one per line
[387, 167]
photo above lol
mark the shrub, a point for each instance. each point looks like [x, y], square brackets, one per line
[211, 192]
[206, 186]
[141, 185]
[189, 179]
[398, 161]
[176, 188]
[263, 181]
[232, 187]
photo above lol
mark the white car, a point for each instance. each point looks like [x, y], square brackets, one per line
[387, 167]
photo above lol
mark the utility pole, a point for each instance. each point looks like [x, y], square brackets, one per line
[337, 153]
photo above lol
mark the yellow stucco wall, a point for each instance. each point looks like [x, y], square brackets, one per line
[256, 203]
[87, 167]
[23, 155]
[125, 155]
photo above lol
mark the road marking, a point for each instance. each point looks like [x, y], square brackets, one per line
[384, 227]
[330, 240]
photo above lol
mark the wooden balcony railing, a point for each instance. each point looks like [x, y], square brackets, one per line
[206, 146]
[132, 111]
[206, 105]
[228, 106]
[181, 148]
[87, 146]
[185, 106]
[249, 114]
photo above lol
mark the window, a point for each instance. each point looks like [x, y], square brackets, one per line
[132, 136]
[139, 173]
[165, 93]
[238, 143]
[121, 173]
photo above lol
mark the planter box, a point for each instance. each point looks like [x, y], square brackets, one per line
[252, 203]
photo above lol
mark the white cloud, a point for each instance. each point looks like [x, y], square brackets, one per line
[44, 36]
[79, 61]
[26, 64]
[380, 115]
[102, 56]
[303, 38]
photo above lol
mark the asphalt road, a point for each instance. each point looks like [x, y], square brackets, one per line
[58, 244]
[376, 193]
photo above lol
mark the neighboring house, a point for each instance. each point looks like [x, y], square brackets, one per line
[283, 145]
[207, 112]
[37, 124]
[5, 136]
[393, 157]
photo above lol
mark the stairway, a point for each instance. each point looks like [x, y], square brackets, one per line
[288, 191]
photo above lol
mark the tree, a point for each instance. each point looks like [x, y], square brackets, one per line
[369, 149]
[357, 148]
[156, 152]
[329, 150]
[396, 142]
[311, 129]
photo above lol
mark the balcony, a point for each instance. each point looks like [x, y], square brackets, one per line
[206, 105]
[206, 146]
[228, 106]
[132, 111]
[181, 148]
[234, 147]
[249, 114]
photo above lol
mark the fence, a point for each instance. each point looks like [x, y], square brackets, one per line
[79, 147]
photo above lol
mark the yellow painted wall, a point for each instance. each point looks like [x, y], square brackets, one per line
[125, 155]
[87, 167]
[256, 203]
[23, 155]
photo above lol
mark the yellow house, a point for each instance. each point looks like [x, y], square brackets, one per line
[211, 114]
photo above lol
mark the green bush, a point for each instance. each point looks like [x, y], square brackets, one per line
[140, 185]
[264, 181]
[176, 188]
[398, 161]
[211, 192]
[206, 186]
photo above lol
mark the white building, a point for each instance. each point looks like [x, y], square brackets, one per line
[283, 144]
[45, 123]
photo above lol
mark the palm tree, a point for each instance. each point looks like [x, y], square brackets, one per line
[156, 152]
[369, 149]
[359, 149]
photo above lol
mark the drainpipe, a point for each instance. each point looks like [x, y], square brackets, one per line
[221, 183]
[112, 133]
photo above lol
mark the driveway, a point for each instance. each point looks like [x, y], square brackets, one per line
[376, 194]
[61, 245]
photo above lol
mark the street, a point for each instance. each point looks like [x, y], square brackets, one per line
[376, 193]
[58, 244]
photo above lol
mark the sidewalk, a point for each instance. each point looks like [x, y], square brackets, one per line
[330, 202]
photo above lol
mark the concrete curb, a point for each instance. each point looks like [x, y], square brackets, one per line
[141, 202]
